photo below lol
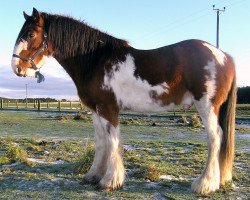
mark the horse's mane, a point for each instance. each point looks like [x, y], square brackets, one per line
[73, 37]
[80, 44]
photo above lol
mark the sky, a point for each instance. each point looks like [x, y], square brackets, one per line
[145, 24]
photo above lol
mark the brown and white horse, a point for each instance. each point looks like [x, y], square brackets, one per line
[110, 76]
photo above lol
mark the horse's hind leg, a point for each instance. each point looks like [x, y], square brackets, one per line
[209, 180]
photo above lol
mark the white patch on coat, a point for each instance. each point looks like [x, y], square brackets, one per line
[219, 55]
[133, 93]
[22, 45]
[211, 78]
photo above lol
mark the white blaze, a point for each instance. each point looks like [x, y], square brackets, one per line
[22, 45]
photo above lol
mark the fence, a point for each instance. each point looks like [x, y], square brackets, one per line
[42, 106]
[61, 106]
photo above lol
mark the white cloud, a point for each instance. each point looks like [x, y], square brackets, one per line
[57, 84]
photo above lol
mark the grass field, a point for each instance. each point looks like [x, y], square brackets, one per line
[44, 155]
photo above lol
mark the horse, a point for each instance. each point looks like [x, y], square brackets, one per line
[110, 75]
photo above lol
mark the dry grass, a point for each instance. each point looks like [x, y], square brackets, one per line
[16, 154]
[196, 121]
[84, 163]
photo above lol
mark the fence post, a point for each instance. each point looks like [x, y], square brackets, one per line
[59, 106]
[16, 104]
[70, 104]
[7, 103]
[1, 103]
[39, 105]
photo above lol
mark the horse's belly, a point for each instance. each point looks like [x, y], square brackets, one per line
[140, 100]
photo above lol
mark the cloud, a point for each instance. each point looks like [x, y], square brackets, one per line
[57, 85]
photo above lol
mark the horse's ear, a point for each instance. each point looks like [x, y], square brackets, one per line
[35, 15]
[25, 15]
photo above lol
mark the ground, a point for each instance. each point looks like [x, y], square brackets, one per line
[45, 156]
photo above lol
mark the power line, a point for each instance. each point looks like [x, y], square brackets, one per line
[175, 24]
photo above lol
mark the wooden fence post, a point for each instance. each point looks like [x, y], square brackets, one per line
[39, 105]
[16, 104]
[59, 106]
[1, 103]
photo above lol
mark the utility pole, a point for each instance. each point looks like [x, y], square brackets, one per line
[26, 89]
[218, 11]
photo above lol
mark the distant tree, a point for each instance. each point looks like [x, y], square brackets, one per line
[243, 95]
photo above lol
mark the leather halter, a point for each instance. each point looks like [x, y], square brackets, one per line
[31, 60]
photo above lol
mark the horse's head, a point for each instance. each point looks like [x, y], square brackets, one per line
[31, 48]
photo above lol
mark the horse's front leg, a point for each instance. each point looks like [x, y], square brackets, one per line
[99, 165]
[115, 173]
[107, 167]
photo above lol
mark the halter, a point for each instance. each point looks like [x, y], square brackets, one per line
[31, 60]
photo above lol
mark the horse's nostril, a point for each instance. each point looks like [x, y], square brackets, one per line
[19, 69]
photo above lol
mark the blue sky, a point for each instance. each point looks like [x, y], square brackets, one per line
[144, 23]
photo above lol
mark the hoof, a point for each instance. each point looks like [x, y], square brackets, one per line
[204, 186]
[90, 180]
[109, 186]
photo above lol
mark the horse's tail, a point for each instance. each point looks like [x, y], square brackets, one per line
[227, 123]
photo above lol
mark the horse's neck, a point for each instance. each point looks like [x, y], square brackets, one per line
[76, 65]
[78, 47]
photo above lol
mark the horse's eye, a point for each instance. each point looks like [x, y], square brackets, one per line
[31, 35]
